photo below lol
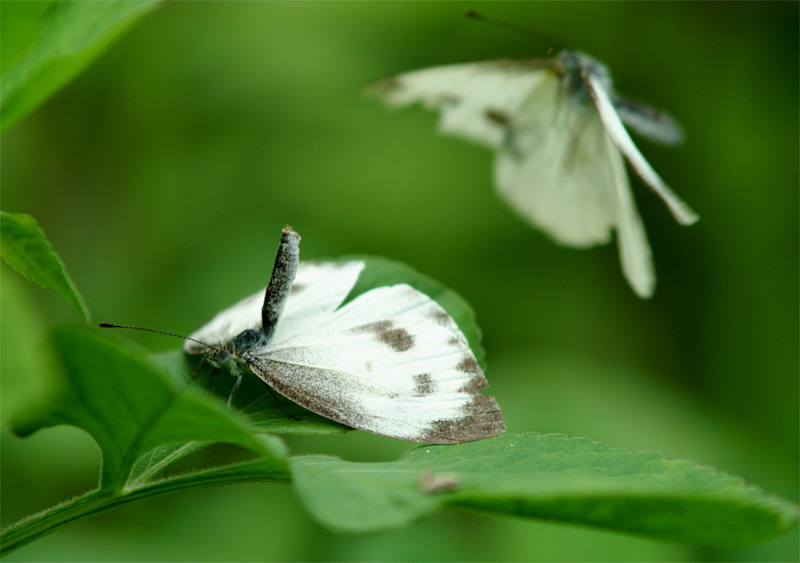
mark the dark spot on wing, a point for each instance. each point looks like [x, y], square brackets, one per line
[396, 338]
[469, 365]
[498, 117]
[423, 384]
[297, 287]
[475, 383]
[481, 418]
[441, 317]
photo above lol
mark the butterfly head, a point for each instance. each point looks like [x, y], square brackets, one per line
[572, 66]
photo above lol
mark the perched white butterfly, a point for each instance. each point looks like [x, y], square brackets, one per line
[391, 361]
[557, 127]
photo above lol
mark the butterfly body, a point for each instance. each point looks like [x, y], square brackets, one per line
[556, 127]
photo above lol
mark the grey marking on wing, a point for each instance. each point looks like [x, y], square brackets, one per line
[498, 117]
[424, 384]
[482, 419]
[475, 383]
[469, 365]
[330, 393]
[397, 339]
[297, 287]
[455, 341]
[441, 318]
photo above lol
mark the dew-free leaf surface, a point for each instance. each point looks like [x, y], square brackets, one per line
[24, 246]
[64, 37]
[142, 423]
[550, 477]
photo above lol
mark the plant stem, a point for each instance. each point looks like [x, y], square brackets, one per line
[97, 501]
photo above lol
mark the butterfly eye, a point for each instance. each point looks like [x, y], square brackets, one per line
[219, 358]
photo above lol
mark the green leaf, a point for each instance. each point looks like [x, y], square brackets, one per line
[24, 246]
[551, 477]
[142, 423]
[379, 272]
[66, 37]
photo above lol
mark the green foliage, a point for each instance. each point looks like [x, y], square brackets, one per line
[552, 477]
[142, 422]
[66, 36]
[146, 415]
[24, 246]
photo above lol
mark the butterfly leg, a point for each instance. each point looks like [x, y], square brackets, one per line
[235, 387]
[211, 380]
[274, 396]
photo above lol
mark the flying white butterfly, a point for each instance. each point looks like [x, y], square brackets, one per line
[391, 361]
[557, 127]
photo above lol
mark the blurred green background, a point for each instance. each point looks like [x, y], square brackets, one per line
[164, 173]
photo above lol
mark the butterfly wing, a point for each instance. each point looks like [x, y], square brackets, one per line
[548, 171]
[391, 362]
[616, 130]
[565, 175]
[634, 250]
[318, 288]
[476, 100]
[649, 122]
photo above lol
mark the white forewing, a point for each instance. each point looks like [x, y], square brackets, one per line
[473, 98]
[391, 362]
[549, 170]
[616, 130]
[634, 251]
[227, 324]
[318, 288]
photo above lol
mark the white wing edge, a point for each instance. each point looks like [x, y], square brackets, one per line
[619, 135]
[634, 250]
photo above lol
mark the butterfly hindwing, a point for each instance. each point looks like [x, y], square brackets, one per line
[391, 362]
[549, 173]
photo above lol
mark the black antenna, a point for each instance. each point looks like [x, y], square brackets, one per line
[109, 325]
[514, 27]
